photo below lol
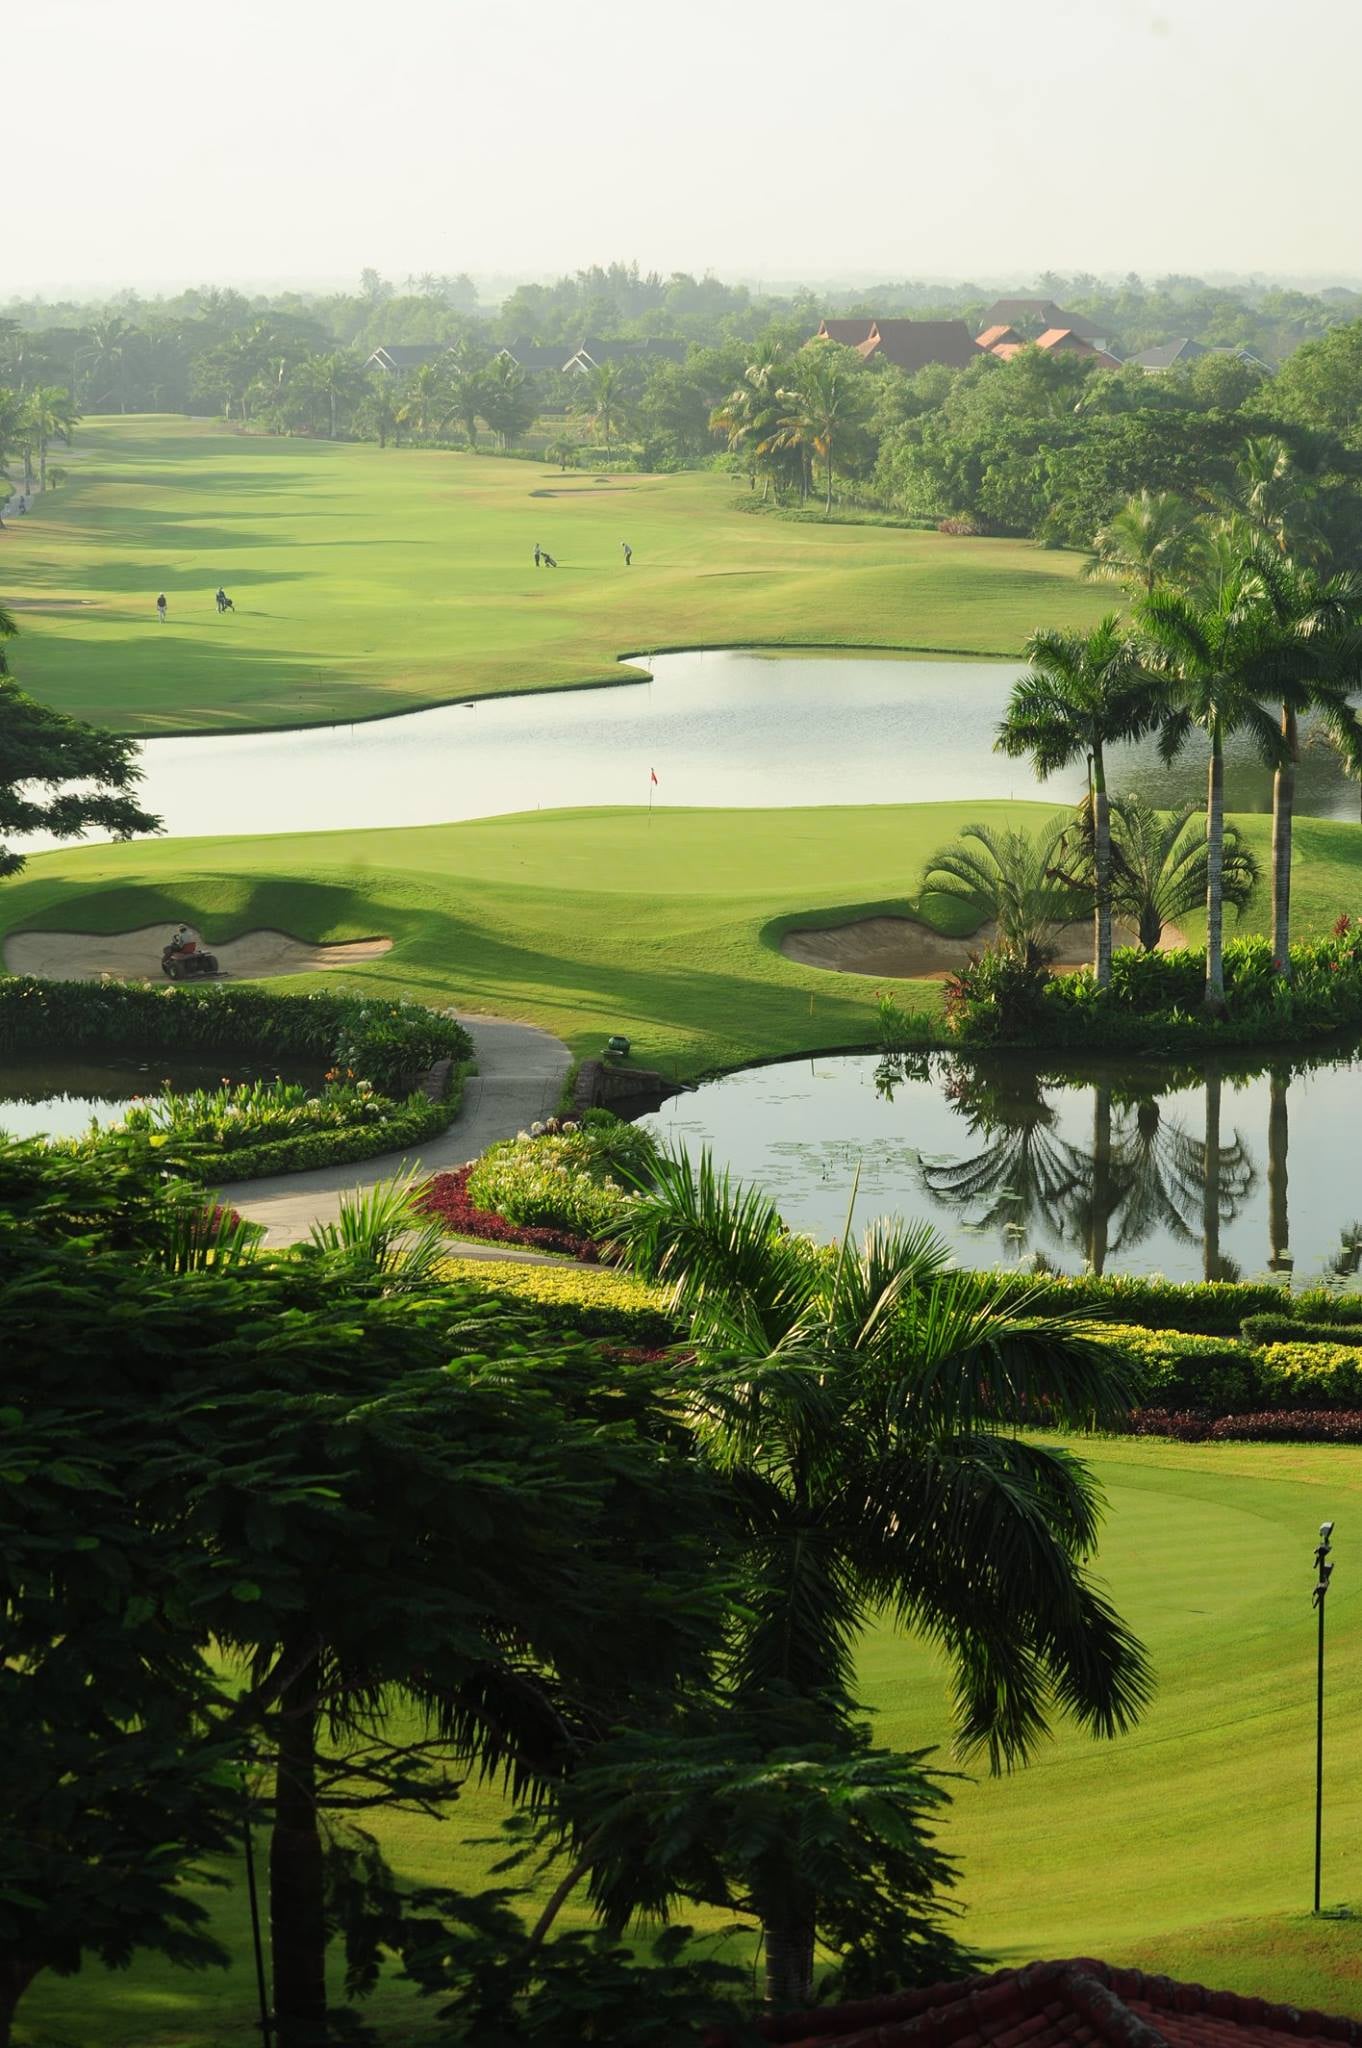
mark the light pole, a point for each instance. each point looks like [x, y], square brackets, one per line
[1324, 1572]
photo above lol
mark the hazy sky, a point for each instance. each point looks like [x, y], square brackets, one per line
[175, 141]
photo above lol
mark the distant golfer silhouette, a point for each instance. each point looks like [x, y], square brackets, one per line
[223, 602]
[161, 608]
[538, 554]
[628, 553]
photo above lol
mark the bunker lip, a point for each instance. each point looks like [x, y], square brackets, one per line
[136, 955]
[905, 949]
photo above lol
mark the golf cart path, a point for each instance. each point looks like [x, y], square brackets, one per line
[519, 1080]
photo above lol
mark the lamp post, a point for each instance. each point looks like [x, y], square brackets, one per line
[1324, 1572]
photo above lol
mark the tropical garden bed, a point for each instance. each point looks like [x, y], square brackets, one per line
[393, 1070]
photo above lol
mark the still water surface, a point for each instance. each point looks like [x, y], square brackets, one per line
[723, 728]
[1123, 1168]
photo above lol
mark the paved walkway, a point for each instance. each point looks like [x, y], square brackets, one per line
[519, 1080]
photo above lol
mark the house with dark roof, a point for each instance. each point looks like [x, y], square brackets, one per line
[1078, 2004]
[396, 358]
[533, 355]
[909, 344]
[1033, 317]
[1182, 351]
[594, 351]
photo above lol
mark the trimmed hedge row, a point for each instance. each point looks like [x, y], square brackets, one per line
[1217, 1307]
[587, 1299]
[1222, 1377]
[392, 1044]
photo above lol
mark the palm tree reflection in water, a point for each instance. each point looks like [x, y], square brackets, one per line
[1140, 1172]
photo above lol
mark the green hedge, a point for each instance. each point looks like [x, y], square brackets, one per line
[1154, 1002]
[392, 1044]
[1297, 1330]
[1176, 1369]
[1215, 1307]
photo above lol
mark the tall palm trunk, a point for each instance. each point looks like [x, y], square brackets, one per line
[1099, 1218]
[1283, 818]
[1210, 1181]
[15, 1978]
[1215, 875]
[1101, 841]
[1278, 1213]
[827, 510]
[297, 1906]
[788, 1940]
[42, 462]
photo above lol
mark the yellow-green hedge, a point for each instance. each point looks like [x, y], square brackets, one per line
[591, 1299]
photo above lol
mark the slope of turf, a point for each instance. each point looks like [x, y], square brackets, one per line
[590, 922]
[370, 581]
[1184, 1846]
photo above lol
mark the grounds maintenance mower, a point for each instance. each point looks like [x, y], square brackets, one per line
[183, 960]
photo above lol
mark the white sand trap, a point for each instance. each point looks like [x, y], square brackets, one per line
[136, 956]
[903, 949]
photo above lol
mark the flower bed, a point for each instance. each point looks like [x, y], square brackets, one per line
[1274, 1426]
[447, 1197]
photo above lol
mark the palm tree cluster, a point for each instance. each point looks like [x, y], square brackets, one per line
[1237, 630]
[790, 414]
[30, 421]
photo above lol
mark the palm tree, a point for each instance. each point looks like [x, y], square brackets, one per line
[824, 406]
[337, 379]
[426, 402]
[1083, 694]
[378, 411]
[49, 413]
[606, 404]
[1011, 879]
[1159, 866]
[1318, 616]
[1275, 496]
[106, 353]
[564, 453]
[466, 368]
[1152, 537]
[1220, 653]
[749, 415]
[865, 1410]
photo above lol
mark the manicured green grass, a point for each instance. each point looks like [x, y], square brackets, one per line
[1185, 1846]
[589, 922]
[370, 581]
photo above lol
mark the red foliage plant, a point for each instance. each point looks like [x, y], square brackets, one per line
[446, 1196]
[1270, 1426]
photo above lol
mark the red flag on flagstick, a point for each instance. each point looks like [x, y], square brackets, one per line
[652, 775]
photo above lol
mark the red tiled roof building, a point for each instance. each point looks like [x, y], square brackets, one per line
[1079, 2004]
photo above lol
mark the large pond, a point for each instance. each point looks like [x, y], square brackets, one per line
[723, 728]
[1119, 1167]
[60, 1097]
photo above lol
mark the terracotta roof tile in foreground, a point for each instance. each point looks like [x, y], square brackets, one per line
[1077, 2004]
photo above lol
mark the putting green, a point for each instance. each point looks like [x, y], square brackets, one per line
[595, 921]
[1185, 1846]
[372, 580]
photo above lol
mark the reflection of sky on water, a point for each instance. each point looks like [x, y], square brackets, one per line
[1110, 1168]
[723, 728]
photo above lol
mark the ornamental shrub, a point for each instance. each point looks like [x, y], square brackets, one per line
[1215, 1307]
[1298, 1330]
[597, 1303]
[446, 1197]
[574, 1176]
[390, 1044]
[1281, 1426]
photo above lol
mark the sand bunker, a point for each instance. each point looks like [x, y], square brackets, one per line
[903, 949]
[136, 956]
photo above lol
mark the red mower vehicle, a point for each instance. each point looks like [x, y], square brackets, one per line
[185, 962]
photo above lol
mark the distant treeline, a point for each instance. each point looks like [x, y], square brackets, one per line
[1044, 445]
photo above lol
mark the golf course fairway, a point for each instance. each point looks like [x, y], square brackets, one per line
[1184, 1847]
[595, 921]
[370, 580]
